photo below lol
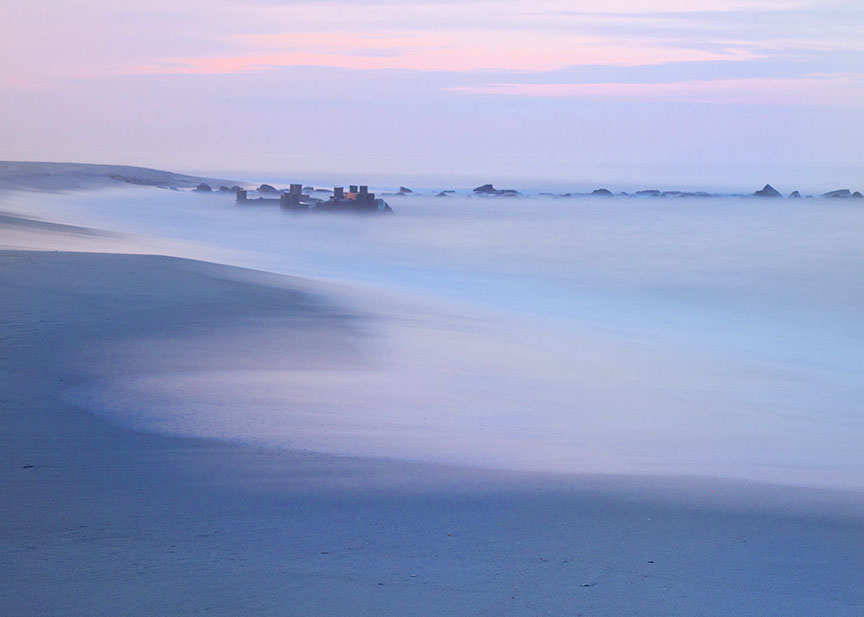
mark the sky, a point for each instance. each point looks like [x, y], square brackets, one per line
[719, 93]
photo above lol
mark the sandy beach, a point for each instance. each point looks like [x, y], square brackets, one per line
[98, 519]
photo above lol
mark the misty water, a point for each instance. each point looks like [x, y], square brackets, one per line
[661, 336]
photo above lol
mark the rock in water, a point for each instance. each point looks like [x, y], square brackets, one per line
[857, 195]
[794, 195]
[405, 190]
[768, 191]
[602, 193]
[840, 194]
[203, 188]
[486, 189]
[266, 188]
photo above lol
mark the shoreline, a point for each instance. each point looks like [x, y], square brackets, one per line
[53, 176]
[109, 520]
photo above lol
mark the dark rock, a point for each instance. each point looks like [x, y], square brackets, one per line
[841, 194]
[443, 194]
[203, 188]
[28, 466]
[405, 190]
[266, 188]
[602, 193]
[650, 193]
[486, 189]
[857, 195]
[794, 195]
[308, 189]
[224, 189]
[767, 191]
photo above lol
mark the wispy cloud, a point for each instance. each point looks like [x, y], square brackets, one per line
[810, 90]
[49, 43]
[464, 51]
[195, 78]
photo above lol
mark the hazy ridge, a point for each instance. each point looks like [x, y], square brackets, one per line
[42, 176]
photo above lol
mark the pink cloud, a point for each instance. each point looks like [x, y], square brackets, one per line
[466, 51]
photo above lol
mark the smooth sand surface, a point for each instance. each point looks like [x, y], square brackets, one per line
[96, 519]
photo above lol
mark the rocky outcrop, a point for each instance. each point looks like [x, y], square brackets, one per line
[266, 188]
[488, 189]
[650, 193]
[404, 190]
[602, 193]
[843, 194]
[203, 188]
[794, 195]
[767, 191]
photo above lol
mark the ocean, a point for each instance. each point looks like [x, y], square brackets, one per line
[711, 336]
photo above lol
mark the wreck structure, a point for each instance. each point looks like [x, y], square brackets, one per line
[355, 199]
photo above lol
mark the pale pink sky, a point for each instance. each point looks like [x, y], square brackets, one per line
[550, 88]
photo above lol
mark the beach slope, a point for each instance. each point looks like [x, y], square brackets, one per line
[96, 519]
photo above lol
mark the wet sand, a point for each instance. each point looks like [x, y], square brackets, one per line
[98, 519]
